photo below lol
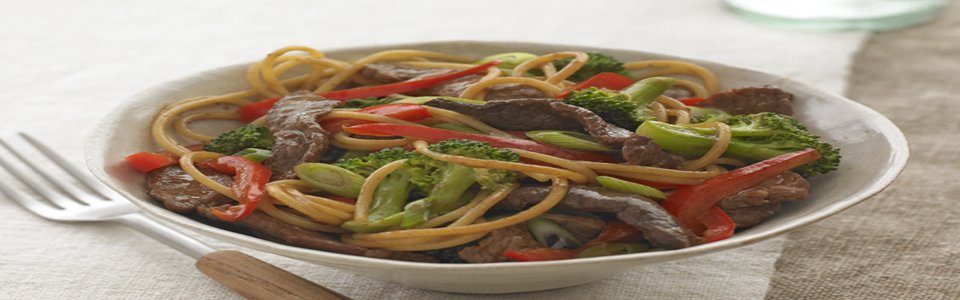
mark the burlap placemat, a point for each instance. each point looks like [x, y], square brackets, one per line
[904, 242]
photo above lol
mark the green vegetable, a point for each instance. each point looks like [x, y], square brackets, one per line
[330, 178]
[508, 61]
[365, 165]
[254, 154]
[415, 213]
[381, 225]
[446, 183]
[606, 249]
[704, 114]
[627, 108]
[755, 137]
[596, 64]
[425, 99]
[630, 187]
[567, 139]
[391, 194]
[353, 154]
[552, 235]
[361, 103]
[457, 127]
[248, 136]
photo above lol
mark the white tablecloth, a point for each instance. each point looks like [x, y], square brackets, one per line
[63, 64]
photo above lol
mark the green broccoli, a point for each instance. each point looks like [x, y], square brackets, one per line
[755, 137]
[361, 103]
[598, 63]
[248, 136]
[626, 108]
[391, 194]
[446, 183]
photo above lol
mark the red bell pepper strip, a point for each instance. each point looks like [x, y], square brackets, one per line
[719, 225]
[691, 101]
[149, 161]
[403, 111]
[606, 80]
[253, 111]
[691, 204]
[249, 183]
[539, 254]
[436, 135]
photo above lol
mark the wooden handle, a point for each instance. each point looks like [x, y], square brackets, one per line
[255, 279]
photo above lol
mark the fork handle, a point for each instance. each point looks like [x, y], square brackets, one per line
[255, 279]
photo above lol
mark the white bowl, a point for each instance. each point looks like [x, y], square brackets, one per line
[873, 148]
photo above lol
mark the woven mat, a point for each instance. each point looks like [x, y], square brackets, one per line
[905, 242]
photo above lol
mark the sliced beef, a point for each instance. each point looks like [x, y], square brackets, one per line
[388, 72]
[657, 225]
[751, 100]
[539, 114]
[264, 224]
[180, 193]
[583, 228]
[751, 206]
[453, 88]
[298, 137]
[490, 248]
[642, 151]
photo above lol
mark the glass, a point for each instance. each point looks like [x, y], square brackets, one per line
[837, 15]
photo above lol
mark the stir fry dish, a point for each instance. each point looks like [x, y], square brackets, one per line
[434, 157]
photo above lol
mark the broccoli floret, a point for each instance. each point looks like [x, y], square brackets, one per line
[755, 137]
[248, 136]
[626, 108]
[365, 165]
[613, 107]
[446, 183]
[391, 194]
[598, 63]
[361, 103]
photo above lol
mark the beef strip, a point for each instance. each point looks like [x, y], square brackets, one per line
[539, 114]
[298, 137]
[490, 248]
[270, 227]
[583, 228]
[751, 206]
[642, 151]
[751, 100]
[657, 225]
[180, 193]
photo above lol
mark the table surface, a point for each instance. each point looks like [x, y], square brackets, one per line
[64, 64]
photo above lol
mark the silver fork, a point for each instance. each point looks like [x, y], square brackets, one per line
[88, 200]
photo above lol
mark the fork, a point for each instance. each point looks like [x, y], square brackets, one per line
[88, 200]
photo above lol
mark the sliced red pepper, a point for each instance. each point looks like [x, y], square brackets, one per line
[539, 254]
[249, 182]
[606, 80]
[692, 203]
[403, 111]
[613, 232]
[691, 101]
[719, 225]
[253, 111]
[149, 161]
[432, 135]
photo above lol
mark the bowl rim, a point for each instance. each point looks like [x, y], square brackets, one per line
[900, 153]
